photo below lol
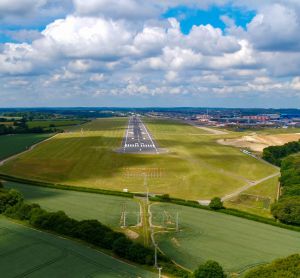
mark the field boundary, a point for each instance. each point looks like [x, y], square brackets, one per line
[66, 187]
[229, 211]
[176, 201]
[3, 161]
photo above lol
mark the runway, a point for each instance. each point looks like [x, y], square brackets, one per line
[137, 138]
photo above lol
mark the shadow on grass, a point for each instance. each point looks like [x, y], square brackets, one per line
[32, 193]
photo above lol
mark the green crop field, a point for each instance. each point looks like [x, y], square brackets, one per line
[195, 166]
[30, 253]
[13, 144]
[54, 123]
[81, 205]
[234, 242]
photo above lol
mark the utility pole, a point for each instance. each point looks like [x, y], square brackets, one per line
[159, 272]
[155, 255]
[124, 219]
[146, 186]
[138, 218]
[177, 222]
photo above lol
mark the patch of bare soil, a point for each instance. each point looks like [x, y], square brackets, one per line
[131, 234]
[257, 142]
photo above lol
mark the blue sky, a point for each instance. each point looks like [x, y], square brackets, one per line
[150, 53]
[188, 17]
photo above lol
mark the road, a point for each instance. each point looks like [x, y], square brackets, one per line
[248, 186]
[137, 138]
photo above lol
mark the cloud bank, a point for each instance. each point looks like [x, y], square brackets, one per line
[99, 52]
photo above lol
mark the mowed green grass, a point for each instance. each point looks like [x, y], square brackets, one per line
[30, 253]
[234, 242]
[195, 166]
[81, 205]
[13, 144]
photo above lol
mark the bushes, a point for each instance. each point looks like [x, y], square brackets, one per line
[21, 211]
[210, 269]
[288, 268]
[216, 203]
[136, 252]
[9, 198]
[287, 210]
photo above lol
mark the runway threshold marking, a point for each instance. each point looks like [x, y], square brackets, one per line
[149, 136]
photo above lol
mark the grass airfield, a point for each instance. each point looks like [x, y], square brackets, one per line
[31, 253]
[236, 243]
[195, 166]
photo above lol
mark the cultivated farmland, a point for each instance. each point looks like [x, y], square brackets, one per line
[13, 144]
[81, 205]
[236, 243]
[30, 253]
[53, 123]
[195, 166]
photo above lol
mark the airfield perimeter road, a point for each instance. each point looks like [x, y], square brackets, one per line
[138, 138]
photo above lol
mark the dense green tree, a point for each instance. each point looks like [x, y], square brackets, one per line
[140, 254]
[9, 198]
[21, 210]
[275, 154]
[121, 247]
[210, 269]
[216, 203]
[287, 210]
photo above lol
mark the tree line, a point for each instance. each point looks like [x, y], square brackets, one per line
[275, 154]
[287, 208]
[21, 127]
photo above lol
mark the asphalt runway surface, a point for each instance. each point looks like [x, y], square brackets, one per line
[137, 138]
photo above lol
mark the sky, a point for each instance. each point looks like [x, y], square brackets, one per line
[142, 53]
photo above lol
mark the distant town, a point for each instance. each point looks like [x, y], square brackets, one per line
[236, 119]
